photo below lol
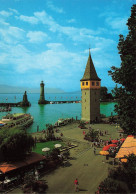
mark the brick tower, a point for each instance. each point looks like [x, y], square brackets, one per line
[90, 87]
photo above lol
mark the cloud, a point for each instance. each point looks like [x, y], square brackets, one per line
[5, 13]
[36, 36]
[54, 8]
[51, 62]
[31, 20]
[44, 18]
[11, 34]
[3, 23]
[14, 11]
[76, 34]
[117, 23]
[55, 46]
[71, 21]
[54, 61]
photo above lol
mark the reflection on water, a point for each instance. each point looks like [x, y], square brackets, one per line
[50, 113]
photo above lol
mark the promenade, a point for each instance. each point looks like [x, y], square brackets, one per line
[90, 169]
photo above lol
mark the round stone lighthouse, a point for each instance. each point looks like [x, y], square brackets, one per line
[42, 98]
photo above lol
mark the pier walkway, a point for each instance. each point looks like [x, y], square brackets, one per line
[10, 104]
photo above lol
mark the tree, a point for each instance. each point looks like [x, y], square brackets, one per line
[125, 76]
[92, 135]
[15, 144]
[34, 186]
[119, 180]
[50, 132]
[104, 95]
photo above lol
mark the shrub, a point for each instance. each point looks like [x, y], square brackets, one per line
[110, 186]
[31, 185]
[124, 175]
[92, 135]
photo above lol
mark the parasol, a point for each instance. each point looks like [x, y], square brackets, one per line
[45, 149]
[104, 153]
[123, 139]
[105, 148]
[57, 145]
[123, 160]
[114, 141]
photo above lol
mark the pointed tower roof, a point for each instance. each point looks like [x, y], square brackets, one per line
[90, 72]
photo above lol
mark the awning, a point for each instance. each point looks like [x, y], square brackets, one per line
[30, 159]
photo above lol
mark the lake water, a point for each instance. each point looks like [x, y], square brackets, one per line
[50, 113]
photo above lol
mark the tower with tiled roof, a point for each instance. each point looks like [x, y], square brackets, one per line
[90, 87]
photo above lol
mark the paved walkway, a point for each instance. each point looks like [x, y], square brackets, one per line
[90, 169]
[87, 167]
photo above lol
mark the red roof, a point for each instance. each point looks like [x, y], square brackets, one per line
[30, 159]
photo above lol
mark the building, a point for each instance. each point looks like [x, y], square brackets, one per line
[90, 87]
[42, 98]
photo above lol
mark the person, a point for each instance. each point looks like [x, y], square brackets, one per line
[83, 132]
[94, 150]
[36, 175]
[76, 185]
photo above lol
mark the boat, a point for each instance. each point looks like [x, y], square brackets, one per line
[17, 120]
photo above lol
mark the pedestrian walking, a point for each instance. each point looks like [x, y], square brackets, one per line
[83, 132]
[76, 185]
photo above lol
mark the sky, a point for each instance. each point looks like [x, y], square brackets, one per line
[49, 40]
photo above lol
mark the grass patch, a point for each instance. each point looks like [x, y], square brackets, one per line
[49, 144]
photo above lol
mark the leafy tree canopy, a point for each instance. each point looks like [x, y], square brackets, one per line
[125, 76]
[14, 144]
[104, 95]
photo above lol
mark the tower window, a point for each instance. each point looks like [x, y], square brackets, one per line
[97, 83]
[93, 83]
[85, 100]
[83, 83]
[85, 93]
[86, 83]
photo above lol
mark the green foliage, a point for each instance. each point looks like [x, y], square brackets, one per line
[50, 132]
[126, 77]
[92, 135]
[34, 186]
[54, 154]
[110, 186]
[50, 144]
[124, 175]
[104, 95]
[112, 119]
[82, 125]
[66, 154]
[15, 144]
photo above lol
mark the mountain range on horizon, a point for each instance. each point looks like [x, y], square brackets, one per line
[6, 89]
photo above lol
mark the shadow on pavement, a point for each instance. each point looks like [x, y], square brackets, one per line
[83, 190]
[67, 164]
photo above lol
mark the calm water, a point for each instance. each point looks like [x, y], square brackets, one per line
[50, 113]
